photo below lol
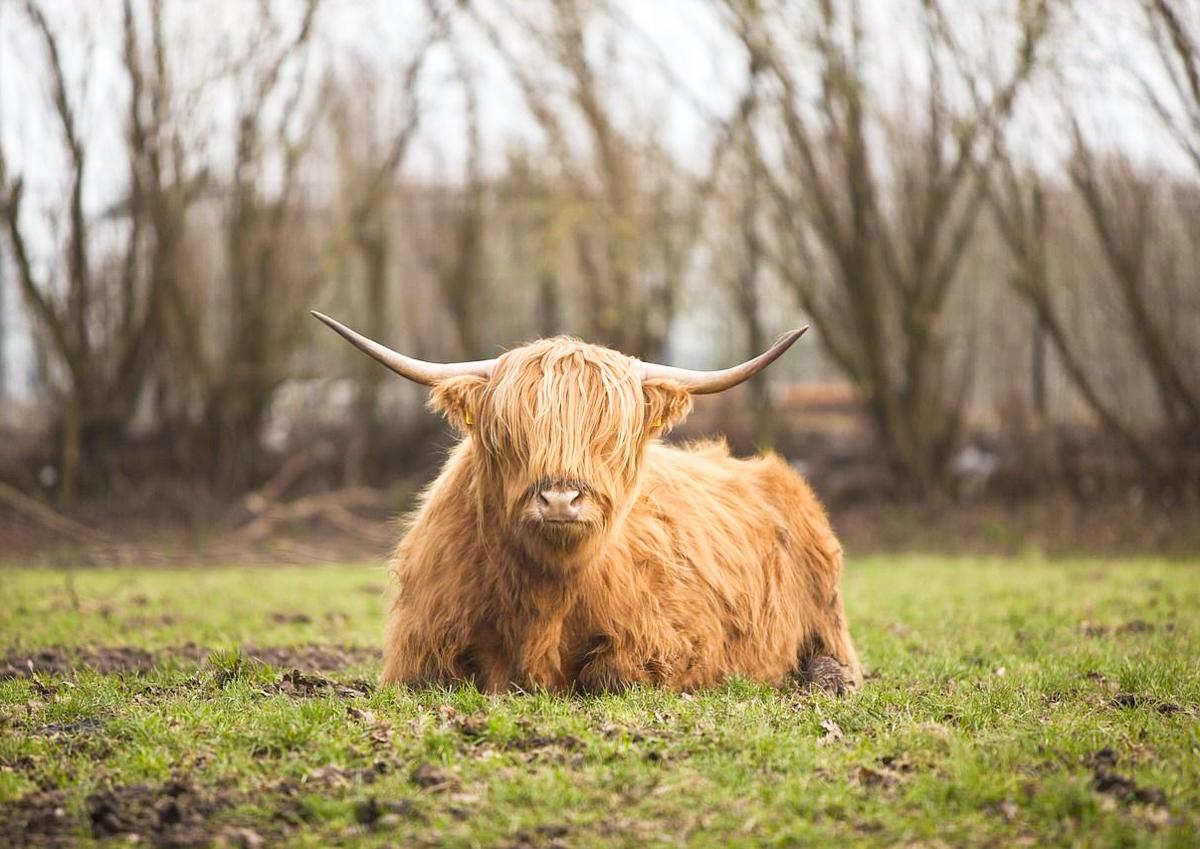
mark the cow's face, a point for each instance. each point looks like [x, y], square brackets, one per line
[561, 427]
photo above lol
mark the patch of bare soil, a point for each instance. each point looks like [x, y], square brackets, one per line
[885, 772]
[1136, 701]
[304, 684]
[376, 815]
[1110, 783]
[61, 661]
[322, 657]
[37, 819]
[549, 835]
[1134, 626]
[177, 813]
[106, 660]
[432, 778]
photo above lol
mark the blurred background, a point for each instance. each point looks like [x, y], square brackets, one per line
[988, 212]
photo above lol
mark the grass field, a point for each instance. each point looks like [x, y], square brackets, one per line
[1008, 703]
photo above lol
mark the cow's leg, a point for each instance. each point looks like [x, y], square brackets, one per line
[537, 665]
[419, 651]
[403, 660]
[827, 657]
[610, 668]
[493, 662]
[407, 658]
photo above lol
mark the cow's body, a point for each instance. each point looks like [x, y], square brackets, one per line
[564, 547]
[720, 567]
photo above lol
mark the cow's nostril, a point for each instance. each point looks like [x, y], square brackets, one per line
[543, 501]
[577, 501]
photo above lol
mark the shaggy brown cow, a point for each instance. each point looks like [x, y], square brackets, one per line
[564, 547]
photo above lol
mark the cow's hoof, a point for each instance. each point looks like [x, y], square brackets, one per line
[826, 673]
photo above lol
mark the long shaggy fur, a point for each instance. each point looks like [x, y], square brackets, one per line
[690, 566]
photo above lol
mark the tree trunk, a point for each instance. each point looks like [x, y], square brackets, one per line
[549, 310]
[72, 450]
[363, 446]
[1037, 367]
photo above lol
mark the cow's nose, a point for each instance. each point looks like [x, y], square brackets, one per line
[560, 505]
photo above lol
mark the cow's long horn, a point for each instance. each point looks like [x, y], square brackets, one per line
[415, 370]
[708, 382]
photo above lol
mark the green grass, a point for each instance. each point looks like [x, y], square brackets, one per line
[994, 688]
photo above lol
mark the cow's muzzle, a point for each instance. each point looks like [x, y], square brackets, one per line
[560, 501]
[560, 505]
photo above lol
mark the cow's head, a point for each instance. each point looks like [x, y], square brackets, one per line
[561, 427]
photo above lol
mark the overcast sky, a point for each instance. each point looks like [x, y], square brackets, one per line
[676, 61]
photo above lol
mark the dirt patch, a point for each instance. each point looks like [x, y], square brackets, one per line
[885, 772]
[1136, 701]
[61, 661]
[433, 779]
[324, 658]
[280, 617]
[1111, 783]
[177, 813]
[184, 813]
[373, 814]
[473, 726]
[549, 835]
[535, 742]
[83, 726]
[58, 661]
[1134, 626]
[37, 819]
[1108, 782]
[332, 777]
[306, 684]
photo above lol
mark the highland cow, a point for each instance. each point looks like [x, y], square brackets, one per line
[564, 547]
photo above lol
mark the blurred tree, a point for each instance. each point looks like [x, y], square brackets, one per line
[1125, 214]
[748, 301]
[873, 217]
[270, 277]
[618, 189]
[371, 159]
[1018, 202]
[451, 241]
[739, 252]
[4, 327]
[1122, 216]
[102, 323]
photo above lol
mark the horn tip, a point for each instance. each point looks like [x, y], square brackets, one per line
[325, 320]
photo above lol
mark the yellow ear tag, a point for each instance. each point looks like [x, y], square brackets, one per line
[468, 418]
[656, 423]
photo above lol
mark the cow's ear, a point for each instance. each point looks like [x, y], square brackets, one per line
[458, 398]
[667, 404]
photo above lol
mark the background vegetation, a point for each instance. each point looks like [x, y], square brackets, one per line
[1003, 287]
